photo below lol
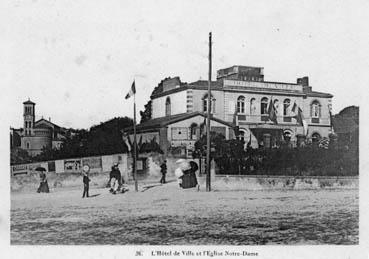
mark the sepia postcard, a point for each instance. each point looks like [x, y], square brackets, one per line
[184, 129]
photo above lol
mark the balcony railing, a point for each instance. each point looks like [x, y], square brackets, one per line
[280, 119]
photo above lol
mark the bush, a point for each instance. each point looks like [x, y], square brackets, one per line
[306, 161]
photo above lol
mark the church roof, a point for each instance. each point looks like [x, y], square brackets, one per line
[43, 121]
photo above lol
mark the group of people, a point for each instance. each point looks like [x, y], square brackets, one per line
[116, 180]
[185, 173]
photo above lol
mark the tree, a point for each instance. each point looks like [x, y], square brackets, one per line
[220, 147]
[102, 139]
[19, 156]
[147, 112]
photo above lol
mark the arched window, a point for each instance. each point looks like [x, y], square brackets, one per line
[242, 134]
[241, 104]
[27, 145]
[167, 107]
[205, 103]
[286, 105]
[315, 137]
[252, 106]
[264, 106]
[315, 109]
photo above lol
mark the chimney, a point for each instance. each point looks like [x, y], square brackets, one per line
[304, 81]
[49, 119]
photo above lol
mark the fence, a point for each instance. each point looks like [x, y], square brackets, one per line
[97, 164]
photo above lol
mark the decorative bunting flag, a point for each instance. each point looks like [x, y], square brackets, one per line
[300, 117]
[272, 112]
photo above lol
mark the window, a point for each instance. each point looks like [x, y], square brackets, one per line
[193, 129]
[205, 103]
[252, 106]
[167, 107]
[286, 105]
[264, 106]
[241, 104]
[27, 145]
[180, 133]
[315, 109]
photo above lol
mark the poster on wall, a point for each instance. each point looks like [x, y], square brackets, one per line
[51, 166]
[19, 169]
[92, 162]
[140, 165]
[72, 166]
[32, 167]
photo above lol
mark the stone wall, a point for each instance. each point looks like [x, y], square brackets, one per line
[224, 183]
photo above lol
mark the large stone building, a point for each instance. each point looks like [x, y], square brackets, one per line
[35, 135]
[240, 97]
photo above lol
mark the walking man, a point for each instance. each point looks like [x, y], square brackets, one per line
[163, 171]
[86, 180]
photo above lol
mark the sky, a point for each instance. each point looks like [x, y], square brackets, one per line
[77, 59]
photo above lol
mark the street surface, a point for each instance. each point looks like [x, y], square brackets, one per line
[167, 215]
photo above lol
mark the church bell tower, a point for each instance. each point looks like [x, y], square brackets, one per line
[29, 117]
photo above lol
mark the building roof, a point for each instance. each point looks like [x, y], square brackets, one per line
[200, 84]
[205, 83]
[218, 86]
[157, 123]
[46, 122]
[319, 94]
[29, 102]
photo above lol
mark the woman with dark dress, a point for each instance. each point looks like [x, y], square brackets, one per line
[189, 179]
[44, 187]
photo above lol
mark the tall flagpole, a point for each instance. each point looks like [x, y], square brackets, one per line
[208, 188]
[134, 143]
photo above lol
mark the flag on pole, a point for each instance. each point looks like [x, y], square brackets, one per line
[300, 117]
[249, 143]
[235, 121]
[203, 127]
[272, 112]
[235, 116]
[132, 91]
[330, 117]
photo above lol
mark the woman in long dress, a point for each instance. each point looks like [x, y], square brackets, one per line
[44, 187]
